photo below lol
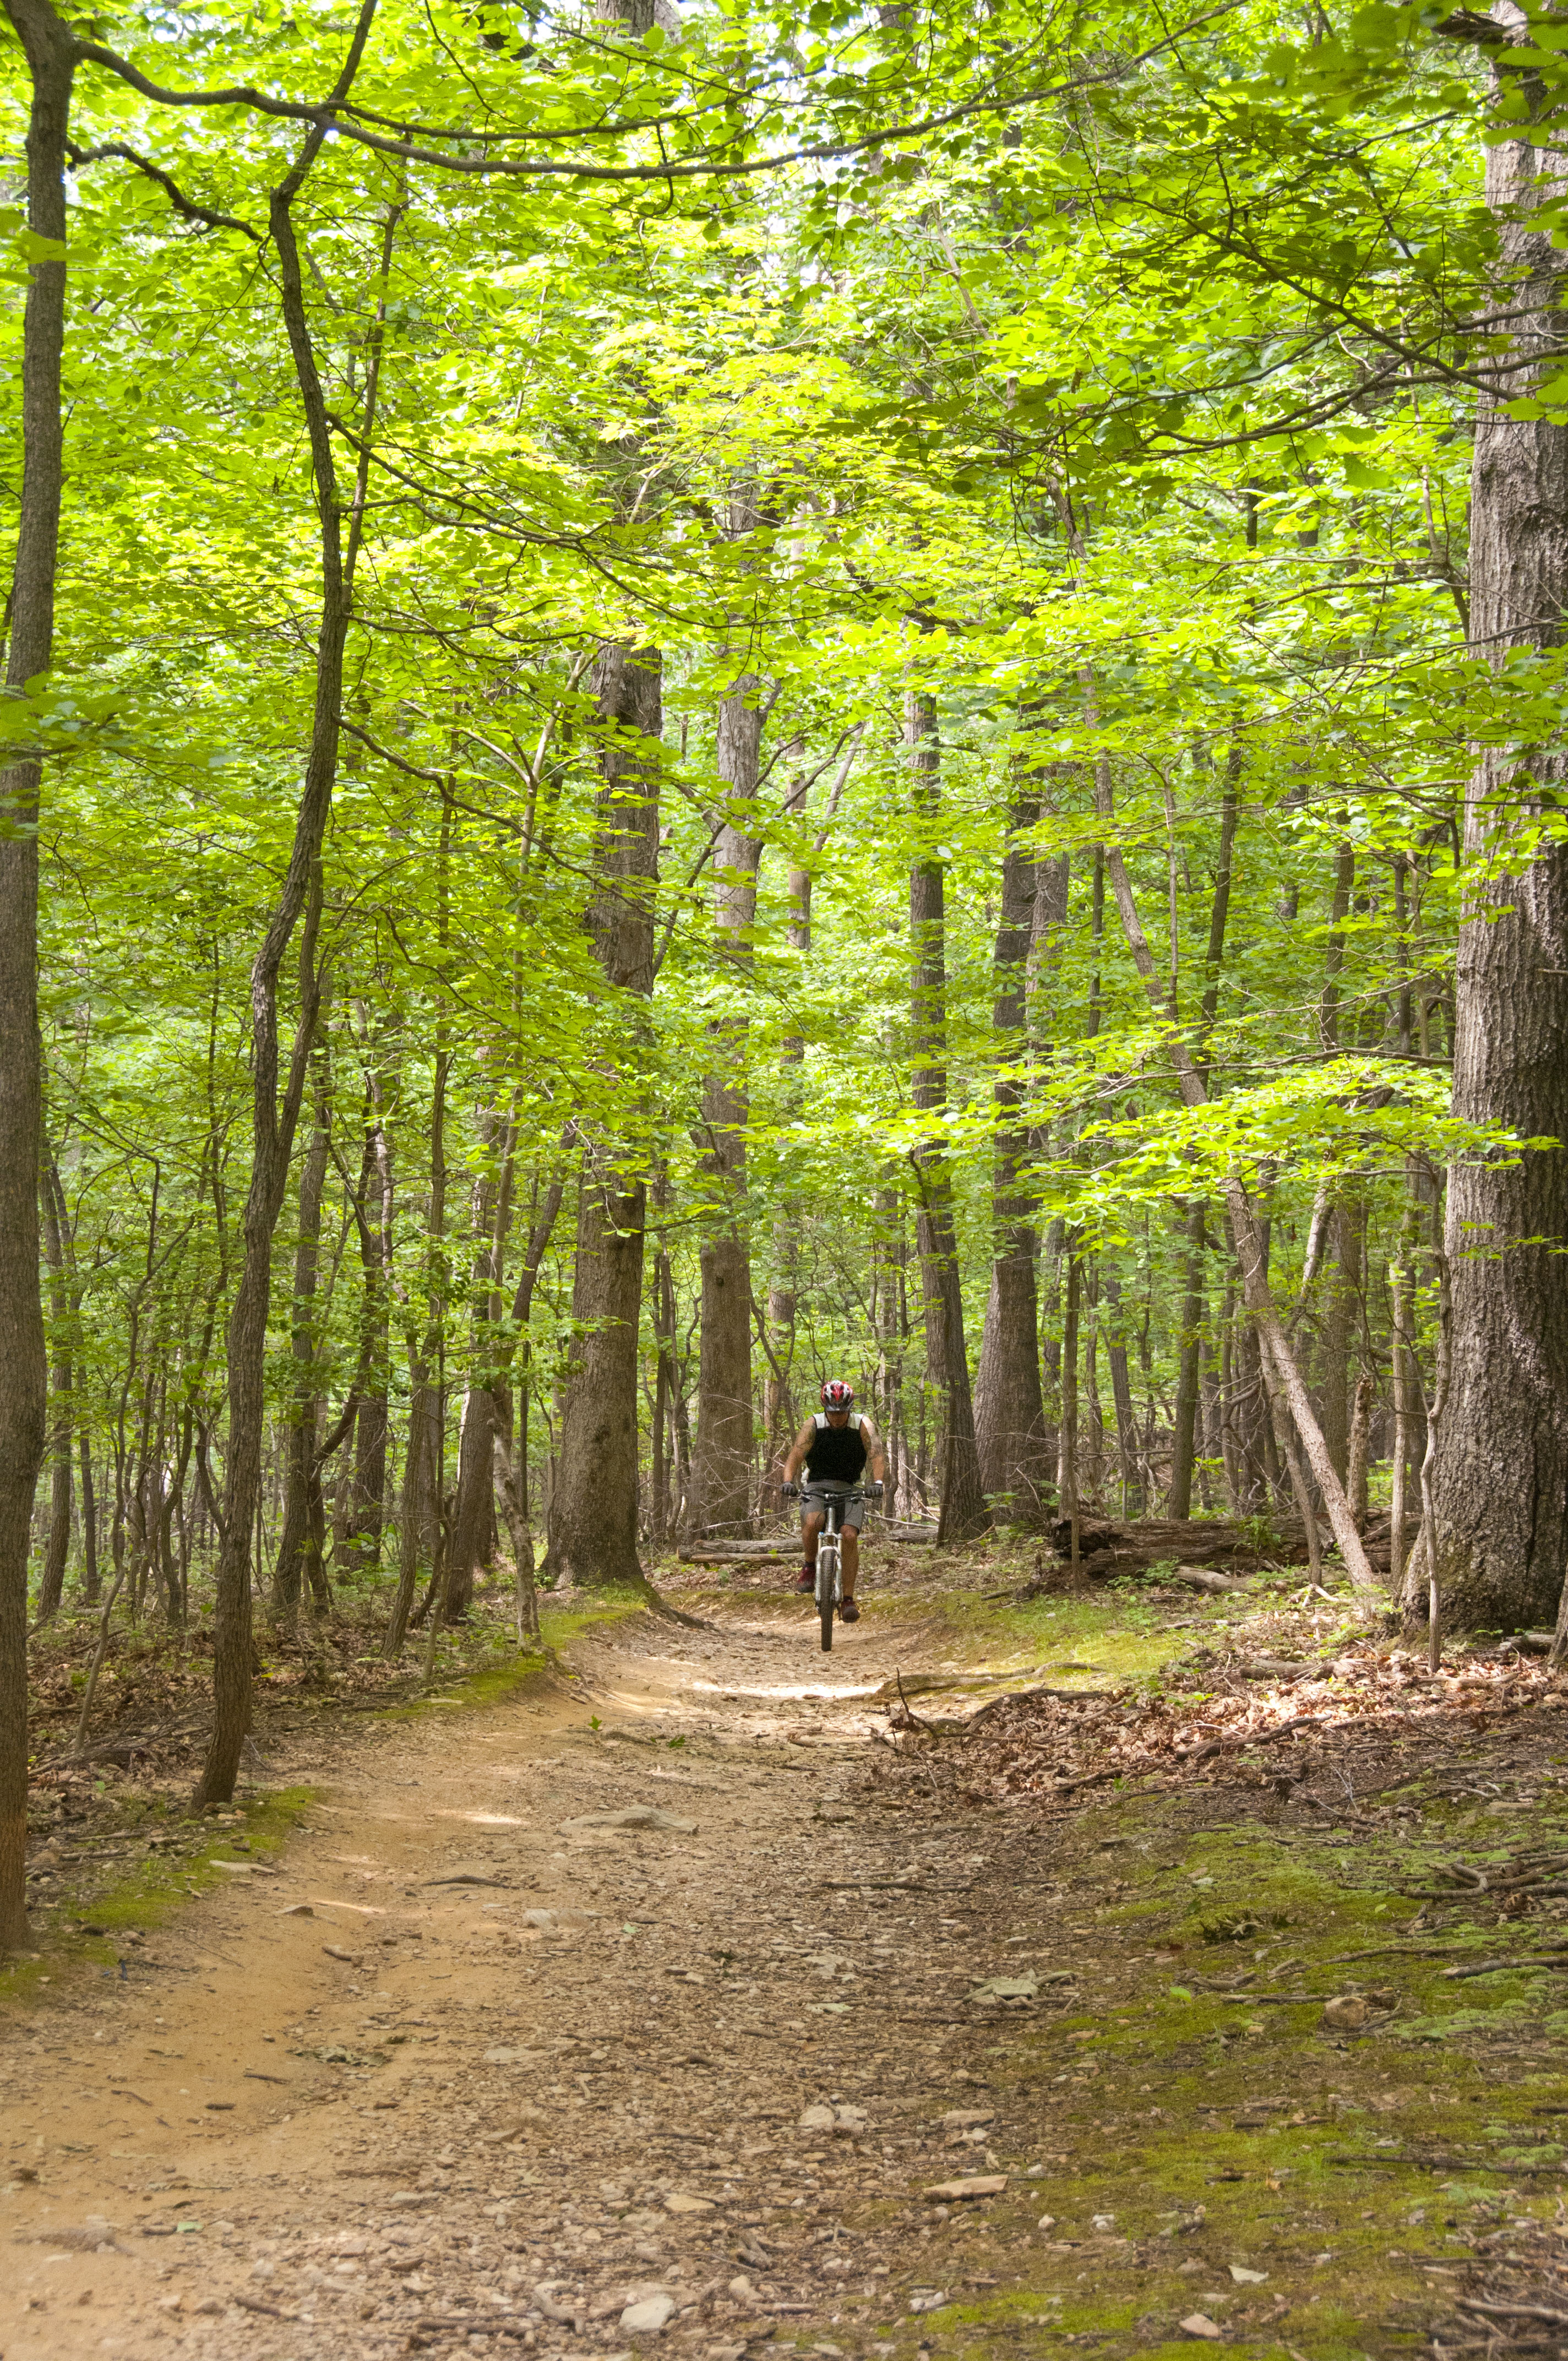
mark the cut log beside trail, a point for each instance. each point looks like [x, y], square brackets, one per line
[737, 1557]
[1108, 1547]
[763, 1547]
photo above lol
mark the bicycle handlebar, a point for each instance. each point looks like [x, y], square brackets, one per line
[872, 1491]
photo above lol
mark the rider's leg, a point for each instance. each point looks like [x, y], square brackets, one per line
[851, 1542]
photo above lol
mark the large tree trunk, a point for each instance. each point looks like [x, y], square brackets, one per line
[593, 1508]
[593, 1520]
[1500, 1480]
[1009, 1413]
[273, 1119]
[722, 1470]
[473, 1545]
[24, 1397]
[963, 1509]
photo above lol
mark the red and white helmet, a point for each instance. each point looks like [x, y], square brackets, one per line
[837, 1395]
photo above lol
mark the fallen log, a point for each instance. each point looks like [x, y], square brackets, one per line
[1203, 1577]
[1108, 1547]
[738, 1558]
[1197, 1541]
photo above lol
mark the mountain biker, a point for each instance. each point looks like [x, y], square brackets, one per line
[833, 1446]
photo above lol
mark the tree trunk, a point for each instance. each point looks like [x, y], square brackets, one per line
[593, 1508]
[301, 1479]
[963, 1509]
[485, 1411]
[374, 1210]
[273, 1120]
[666, 1491]
[1190, 1378]
[1091, 1479]
[91, 1581]
[1133, 1501]
[593, 1522]
[1066, 1465]
[511, 1487]
[1333, 1372]
[1355, 1480]
[1406, 1384]
[722, 1470]
[1250, 1248]
[473, 1546]
[419, 1538]
[24, 1398]
[1185, 1429]
[1047, 928]
[1009, 1413]
[1250, 1425]
[1500, 1476]
[779, 1415]
[52, 1582]
[890, 1325]
[1343, 1329]
[511, 1467]
[1211, 1422]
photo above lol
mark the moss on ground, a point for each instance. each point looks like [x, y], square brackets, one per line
[1107, 1636]
[77, 1942]
[1208, 2128]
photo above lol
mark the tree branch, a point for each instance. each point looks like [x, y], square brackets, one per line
[326, 114]
[171, 189]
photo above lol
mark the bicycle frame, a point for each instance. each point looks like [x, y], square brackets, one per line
[829, 1589]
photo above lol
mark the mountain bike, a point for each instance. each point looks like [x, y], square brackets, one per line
[834, 1499]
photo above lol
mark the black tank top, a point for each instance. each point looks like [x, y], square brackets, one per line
[836, 1452]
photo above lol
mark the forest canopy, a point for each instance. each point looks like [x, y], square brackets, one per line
[701, 698]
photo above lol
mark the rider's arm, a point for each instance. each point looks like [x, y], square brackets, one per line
[798, 1451]
[872, 1441]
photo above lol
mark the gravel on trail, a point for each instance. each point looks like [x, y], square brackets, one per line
[612, 2015]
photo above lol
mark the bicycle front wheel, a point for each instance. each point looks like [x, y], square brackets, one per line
[826, 1585]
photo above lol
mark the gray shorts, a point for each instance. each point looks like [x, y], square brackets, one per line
[854, 1515]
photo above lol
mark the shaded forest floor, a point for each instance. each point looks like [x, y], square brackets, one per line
[446, 2059]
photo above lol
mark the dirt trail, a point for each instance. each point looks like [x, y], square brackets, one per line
[526, 2079]
[510, 2075]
